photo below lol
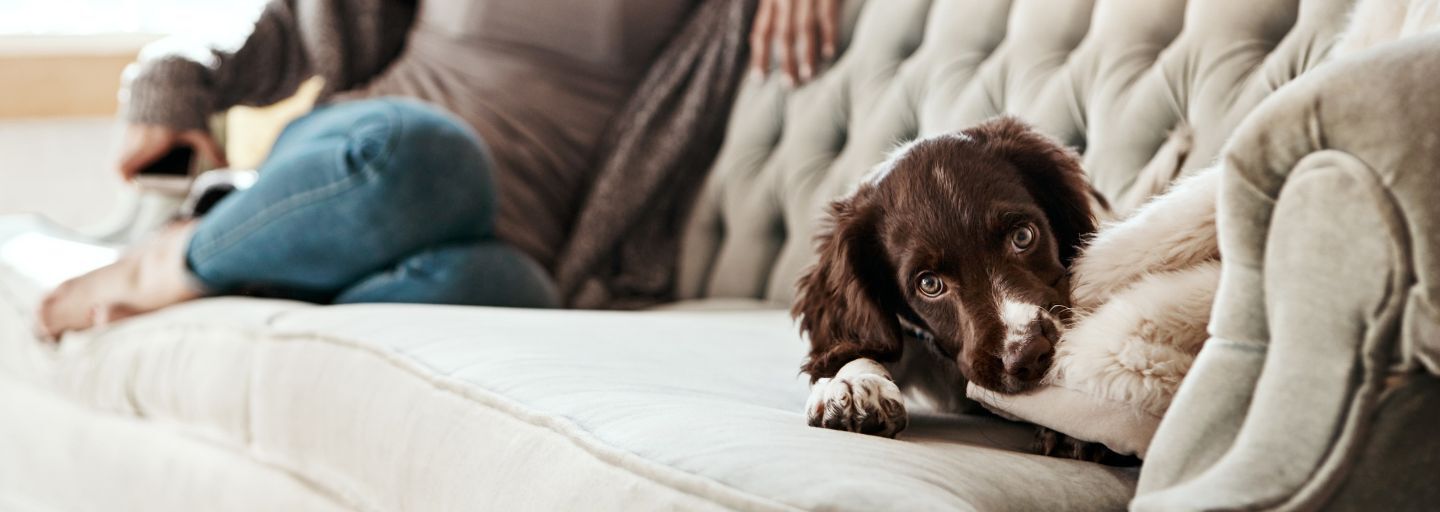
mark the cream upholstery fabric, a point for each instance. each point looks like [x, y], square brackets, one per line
[1318, 386]
[59, 455]
[243, 404]
[447, 408]
[1110, 77]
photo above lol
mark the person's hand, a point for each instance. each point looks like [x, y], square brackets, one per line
[803, 31]
[143, 144]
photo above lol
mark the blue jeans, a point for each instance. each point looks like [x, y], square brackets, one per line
[384, 200]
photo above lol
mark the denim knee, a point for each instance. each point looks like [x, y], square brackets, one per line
[392, 126]
[431, 160]
[348, 190]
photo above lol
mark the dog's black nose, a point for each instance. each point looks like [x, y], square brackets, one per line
[1029, 361]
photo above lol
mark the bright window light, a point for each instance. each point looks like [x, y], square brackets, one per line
[49, 261]
[214, 18]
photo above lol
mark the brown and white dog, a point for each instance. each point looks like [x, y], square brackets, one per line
[964, 239]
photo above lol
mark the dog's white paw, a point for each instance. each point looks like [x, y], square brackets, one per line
[866, 403]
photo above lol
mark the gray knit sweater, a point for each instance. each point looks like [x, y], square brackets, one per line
[538, 80]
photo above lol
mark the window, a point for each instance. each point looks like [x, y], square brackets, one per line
[212, 18]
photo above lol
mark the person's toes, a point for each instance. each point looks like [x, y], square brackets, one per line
[43, 331]
[107, 314]
[100, 315]
[69, 307]
[55, 316]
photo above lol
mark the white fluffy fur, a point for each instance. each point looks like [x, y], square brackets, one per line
[1139, 345]
[1174, 231]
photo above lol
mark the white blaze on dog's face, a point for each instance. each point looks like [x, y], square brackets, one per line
[977, 259]
[1031, 332]
[977, 255]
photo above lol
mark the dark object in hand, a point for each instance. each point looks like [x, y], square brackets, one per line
[176, 163]
[209, 197]
[210, 187]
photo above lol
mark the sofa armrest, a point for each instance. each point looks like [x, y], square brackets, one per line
[1327, 219]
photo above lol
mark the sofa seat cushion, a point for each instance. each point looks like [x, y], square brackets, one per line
[391, 407]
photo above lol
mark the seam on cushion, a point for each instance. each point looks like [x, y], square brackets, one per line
[614, 456]
[1258, 348]
[573, 432]
[184, 431]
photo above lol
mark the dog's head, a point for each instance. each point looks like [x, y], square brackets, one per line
[967, 236]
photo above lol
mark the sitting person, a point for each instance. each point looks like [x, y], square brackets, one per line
[444, 165]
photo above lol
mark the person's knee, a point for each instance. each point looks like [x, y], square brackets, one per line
[411, 136]
[423, 155]
[426, 128]
[498, 274]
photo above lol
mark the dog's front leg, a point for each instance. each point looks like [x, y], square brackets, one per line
[1055, 444]
[861, 397]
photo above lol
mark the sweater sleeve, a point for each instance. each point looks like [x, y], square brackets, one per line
[346, 42]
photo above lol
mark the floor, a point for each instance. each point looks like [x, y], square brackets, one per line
[62, 169]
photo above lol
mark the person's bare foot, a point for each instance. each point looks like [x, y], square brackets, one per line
[148, 277]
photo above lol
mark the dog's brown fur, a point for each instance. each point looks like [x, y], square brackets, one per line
[947, 206]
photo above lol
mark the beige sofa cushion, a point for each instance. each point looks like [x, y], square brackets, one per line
[1111, 78]
[392, 407]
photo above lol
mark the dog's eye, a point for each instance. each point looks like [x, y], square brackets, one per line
[1023, 238]
[929, 284]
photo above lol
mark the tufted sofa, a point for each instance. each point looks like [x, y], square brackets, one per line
[1318, 387]
[1110, 78]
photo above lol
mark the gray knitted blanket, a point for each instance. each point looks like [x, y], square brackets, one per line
[624, 243]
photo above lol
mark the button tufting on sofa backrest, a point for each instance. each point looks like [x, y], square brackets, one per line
[1112, 78]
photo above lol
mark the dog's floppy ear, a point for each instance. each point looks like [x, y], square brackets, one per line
[1052, 175]
[848, 301]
